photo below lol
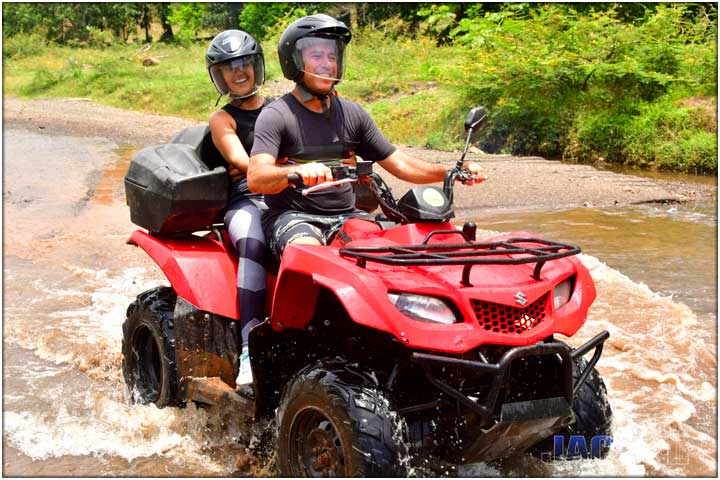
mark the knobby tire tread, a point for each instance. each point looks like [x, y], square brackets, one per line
[157, 305]
[359, 396]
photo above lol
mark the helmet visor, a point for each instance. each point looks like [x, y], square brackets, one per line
[320, 56]
[240, 77]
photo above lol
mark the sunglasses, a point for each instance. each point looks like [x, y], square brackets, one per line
[237, 64]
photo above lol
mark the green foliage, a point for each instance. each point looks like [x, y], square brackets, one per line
[439, 19]
[538, 68]
[23, 45]
[72, 23]
[598, 135]
[664, 135]
[632, 83]
[189, 17]
[99, 38]
[257, 18]
[20, 18]
[221, 16]
[679, 136]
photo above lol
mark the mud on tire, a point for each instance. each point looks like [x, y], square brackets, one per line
[334, 421]
[148, 348]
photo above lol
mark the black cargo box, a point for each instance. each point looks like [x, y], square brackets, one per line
[169, 189]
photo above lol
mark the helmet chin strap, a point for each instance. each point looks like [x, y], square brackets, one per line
[306, 95]
[242, 98]
[237, 98]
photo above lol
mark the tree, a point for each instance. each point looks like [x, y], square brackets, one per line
[164, 11]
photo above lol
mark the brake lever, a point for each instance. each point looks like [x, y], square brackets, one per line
[325, 185]
[465, 177]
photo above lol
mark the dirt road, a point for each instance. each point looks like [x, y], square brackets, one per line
[514, 183]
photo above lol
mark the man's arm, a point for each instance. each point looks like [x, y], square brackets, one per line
[414, 170]
[266, 175]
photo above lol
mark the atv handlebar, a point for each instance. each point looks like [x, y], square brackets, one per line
[294, 179]
[341, 174]
[362, 173]
[346, 174]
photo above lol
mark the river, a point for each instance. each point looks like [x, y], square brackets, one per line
[69, 276]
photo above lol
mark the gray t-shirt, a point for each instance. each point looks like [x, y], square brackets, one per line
[286, 128]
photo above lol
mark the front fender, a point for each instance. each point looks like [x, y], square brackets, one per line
[304, 269]
[199, 269]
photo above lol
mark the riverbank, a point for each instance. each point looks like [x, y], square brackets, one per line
[514, 183]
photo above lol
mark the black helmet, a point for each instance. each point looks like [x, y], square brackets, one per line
[234, 49]
[314, 26]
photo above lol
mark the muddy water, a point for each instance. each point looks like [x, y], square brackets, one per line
[68, 277]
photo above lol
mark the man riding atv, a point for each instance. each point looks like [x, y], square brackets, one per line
[314, 130]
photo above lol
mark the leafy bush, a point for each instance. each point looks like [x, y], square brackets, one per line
[19, 18]
[99, 38]
[538, 67]
[23, 45]
[664, 135]
[189, 17]
[599, 135]
[669, 136]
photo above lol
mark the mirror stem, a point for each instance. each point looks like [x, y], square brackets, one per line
[460, 162]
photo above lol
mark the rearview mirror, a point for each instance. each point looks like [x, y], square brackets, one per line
[474, 118]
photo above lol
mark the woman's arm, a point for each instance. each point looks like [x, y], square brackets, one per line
[222, 129]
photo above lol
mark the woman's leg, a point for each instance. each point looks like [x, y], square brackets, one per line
[243, 222]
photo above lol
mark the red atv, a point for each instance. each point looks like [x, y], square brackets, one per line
[403, 336]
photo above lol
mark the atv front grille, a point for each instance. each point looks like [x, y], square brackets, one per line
[506, 319]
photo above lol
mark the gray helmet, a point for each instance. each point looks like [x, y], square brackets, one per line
[314, 26]
[234, 49]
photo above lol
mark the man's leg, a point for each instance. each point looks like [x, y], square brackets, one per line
[306, 241]
[289, 226]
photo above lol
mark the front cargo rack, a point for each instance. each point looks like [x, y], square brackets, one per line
[512, 251]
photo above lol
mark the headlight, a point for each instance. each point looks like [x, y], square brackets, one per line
[563, 291]
[423, 308]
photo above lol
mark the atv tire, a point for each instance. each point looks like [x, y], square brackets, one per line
[148, 348]
[593, 415]
[334, 421]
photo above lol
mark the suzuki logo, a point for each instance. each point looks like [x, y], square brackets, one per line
[520, 298]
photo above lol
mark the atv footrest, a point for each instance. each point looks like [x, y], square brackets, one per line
[507, 437]
[213, 391]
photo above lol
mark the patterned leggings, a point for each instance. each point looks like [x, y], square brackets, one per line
[242, 221]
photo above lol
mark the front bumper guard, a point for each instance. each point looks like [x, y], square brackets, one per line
[500, 371]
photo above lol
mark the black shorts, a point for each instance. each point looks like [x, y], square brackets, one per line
[285, 226]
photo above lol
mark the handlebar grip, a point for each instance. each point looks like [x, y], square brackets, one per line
[294, 179]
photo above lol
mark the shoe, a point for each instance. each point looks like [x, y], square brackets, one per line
[244, 372]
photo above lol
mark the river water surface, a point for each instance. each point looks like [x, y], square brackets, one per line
[68, 278]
